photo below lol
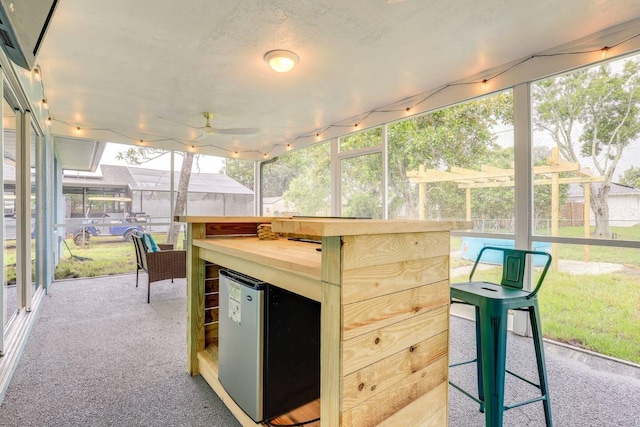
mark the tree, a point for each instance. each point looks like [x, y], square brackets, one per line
[592, 115]
[139, 155]
[310, 191]
[361, 176]
[631, 177]
[458, 136]
[461, 135]
[302, 178]
[240, 170]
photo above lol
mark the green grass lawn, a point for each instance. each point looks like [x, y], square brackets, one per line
[598, 312]
[103, 255]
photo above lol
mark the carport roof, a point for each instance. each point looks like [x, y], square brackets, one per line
[142, 179]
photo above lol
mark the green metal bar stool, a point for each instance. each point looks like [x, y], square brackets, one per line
[492, 303]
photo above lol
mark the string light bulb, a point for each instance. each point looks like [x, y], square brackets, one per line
[37, 74]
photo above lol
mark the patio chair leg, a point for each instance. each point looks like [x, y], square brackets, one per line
[137, 272]
[148, 291]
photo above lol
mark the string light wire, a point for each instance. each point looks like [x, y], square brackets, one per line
[317, 133]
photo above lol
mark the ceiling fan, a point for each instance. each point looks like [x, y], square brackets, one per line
[207, 129]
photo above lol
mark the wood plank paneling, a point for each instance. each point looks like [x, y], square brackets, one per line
[350, 227]
[374, 313]
[367, 282]
[386, 373]
[383, 405]
[384, 289]
[331, 260]
[429, 410]
[368, 348]
[193, 219]
[195, 299]
[238, 228]
[376, 249]
[330, 330]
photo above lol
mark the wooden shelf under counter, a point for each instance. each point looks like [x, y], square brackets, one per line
[384, 291]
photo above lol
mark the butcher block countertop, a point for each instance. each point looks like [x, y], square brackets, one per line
[322, 227]
[290, 255]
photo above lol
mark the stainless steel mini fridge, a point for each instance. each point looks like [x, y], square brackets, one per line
[241, 340]
[268, 346]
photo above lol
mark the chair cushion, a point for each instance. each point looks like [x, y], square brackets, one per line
[149, 243]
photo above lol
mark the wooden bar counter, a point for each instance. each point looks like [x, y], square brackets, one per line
[384, 293]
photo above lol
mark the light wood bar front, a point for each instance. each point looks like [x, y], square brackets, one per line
[384, 293]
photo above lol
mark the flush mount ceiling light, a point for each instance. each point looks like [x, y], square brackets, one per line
[281, 61]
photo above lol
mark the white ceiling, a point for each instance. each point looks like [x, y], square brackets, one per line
[123, 65]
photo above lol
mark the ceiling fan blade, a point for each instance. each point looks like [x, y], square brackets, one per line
[236, 131]
[208, 130]
[178, 123]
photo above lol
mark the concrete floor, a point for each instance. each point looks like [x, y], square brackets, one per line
[100, 356]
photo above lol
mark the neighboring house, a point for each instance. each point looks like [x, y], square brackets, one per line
[624, 204]
[275, 206]
[123, 190]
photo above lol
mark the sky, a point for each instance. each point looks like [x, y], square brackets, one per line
[208, 164]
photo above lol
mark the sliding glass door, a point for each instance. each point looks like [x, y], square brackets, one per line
[9, 295]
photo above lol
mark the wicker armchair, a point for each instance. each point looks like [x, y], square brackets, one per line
[163, 265]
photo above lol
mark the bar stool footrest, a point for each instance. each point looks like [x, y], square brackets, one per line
[469, 395]
[523, 379]
[463, 363]
[526, 402]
